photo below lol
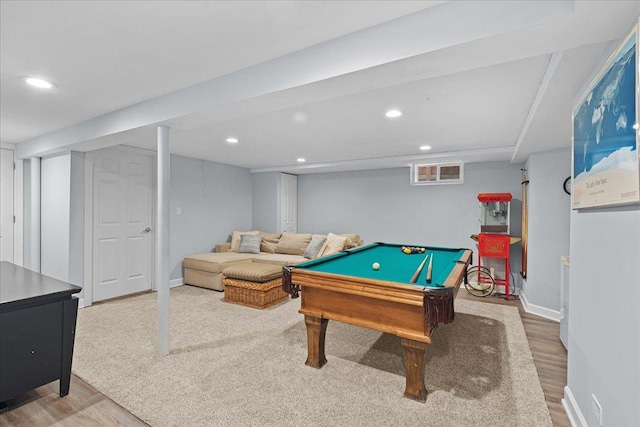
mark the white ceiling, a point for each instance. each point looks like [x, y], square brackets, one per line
[498, 87]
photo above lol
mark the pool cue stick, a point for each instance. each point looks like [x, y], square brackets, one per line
[525, 224]
[414, 278]
[430, 269]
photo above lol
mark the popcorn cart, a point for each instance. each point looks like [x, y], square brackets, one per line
[494, 240]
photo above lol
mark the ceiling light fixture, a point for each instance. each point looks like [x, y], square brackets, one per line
[39, 83]
[425, 147]
[301, 159]
[232, 140]
[300, 117]
[392, 114]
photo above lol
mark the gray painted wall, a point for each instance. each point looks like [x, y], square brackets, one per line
[266, 196]
[76, 221]
[548, 238]
[215, 200]
[55, 204]
[62, 202]
[26, 206]
[604, 327]
[380, 205]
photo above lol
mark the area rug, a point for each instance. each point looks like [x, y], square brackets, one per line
[231, 365]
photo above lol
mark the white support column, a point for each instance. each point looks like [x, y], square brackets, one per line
[34, 256]
[162, 240]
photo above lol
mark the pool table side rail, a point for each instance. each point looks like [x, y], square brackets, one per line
[380, 289]
[375, 305]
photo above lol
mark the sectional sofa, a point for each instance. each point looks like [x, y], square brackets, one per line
[205, 269]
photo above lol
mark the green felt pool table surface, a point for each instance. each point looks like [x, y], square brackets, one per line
[395, 265]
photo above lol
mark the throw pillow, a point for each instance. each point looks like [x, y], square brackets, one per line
[353, 241]
[235, 239]
[313, 248]
[249, 244]
[333, 245]
[293, 243]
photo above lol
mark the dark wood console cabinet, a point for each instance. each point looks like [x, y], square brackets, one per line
[37, 330]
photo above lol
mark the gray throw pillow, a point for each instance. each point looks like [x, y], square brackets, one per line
[313, 248]
[249, 244]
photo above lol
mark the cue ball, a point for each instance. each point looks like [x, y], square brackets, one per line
[376, 266]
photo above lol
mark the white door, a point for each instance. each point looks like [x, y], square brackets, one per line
[6, 205]
[122, 245]
[288, 203]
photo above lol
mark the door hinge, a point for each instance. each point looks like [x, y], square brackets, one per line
[14, 219]
[14, 165]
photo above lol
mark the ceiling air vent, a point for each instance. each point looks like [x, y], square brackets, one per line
[437, 173]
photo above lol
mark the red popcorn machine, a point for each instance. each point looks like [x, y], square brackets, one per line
[494, 239]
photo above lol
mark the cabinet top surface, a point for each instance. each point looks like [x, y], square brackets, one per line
[18, 284]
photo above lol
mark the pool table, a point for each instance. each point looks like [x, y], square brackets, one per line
[345, 287]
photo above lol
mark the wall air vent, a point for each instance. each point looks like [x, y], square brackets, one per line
[437, 173]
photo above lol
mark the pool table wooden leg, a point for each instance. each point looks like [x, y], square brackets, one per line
[316, 331]
[414, 369]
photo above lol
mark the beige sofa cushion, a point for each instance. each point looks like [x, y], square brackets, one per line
[269, 242]
[293, 243]
[333, 245]
[215, 262]
[253, 272]
[235, 238]
[279, 259]
[223, 247]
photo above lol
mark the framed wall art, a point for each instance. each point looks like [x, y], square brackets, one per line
[605, 133]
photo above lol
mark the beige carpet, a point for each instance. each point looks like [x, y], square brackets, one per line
[236, 366]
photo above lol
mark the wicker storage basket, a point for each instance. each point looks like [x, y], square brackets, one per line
[253, 294]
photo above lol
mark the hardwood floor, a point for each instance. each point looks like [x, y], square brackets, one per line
[549, 355]
[85, 406]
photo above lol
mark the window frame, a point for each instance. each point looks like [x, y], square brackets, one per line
[414, 173]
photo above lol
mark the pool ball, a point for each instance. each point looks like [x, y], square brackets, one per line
[376, 266]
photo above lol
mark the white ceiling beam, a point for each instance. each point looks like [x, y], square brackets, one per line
[392, 160]
[435, 28]
[544, 84]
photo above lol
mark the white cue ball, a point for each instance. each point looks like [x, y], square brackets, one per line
[376, 266]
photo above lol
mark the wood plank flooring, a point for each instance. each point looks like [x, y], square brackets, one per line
[549, 355]
[85, 406]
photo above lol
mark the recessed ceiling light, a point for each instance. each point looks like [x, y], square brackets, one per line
[232, 140]
[393, 113]
[425, 147]
[301, 159]
[39, 83]
[300, 117]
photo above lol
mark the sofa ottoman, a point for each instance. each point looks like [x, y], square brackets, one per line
[205, 270]
[257, 285]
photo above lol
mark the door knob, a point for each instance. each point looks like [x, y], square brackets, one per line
[146, 230]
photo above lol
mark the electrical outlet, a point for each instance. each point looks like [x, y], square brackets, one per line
[179, 211]
[596, 408]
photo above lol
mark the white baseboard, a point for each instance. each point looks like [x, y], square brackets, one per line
[176, 282]
[539, 310]
[573, 411]
[172, 284]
